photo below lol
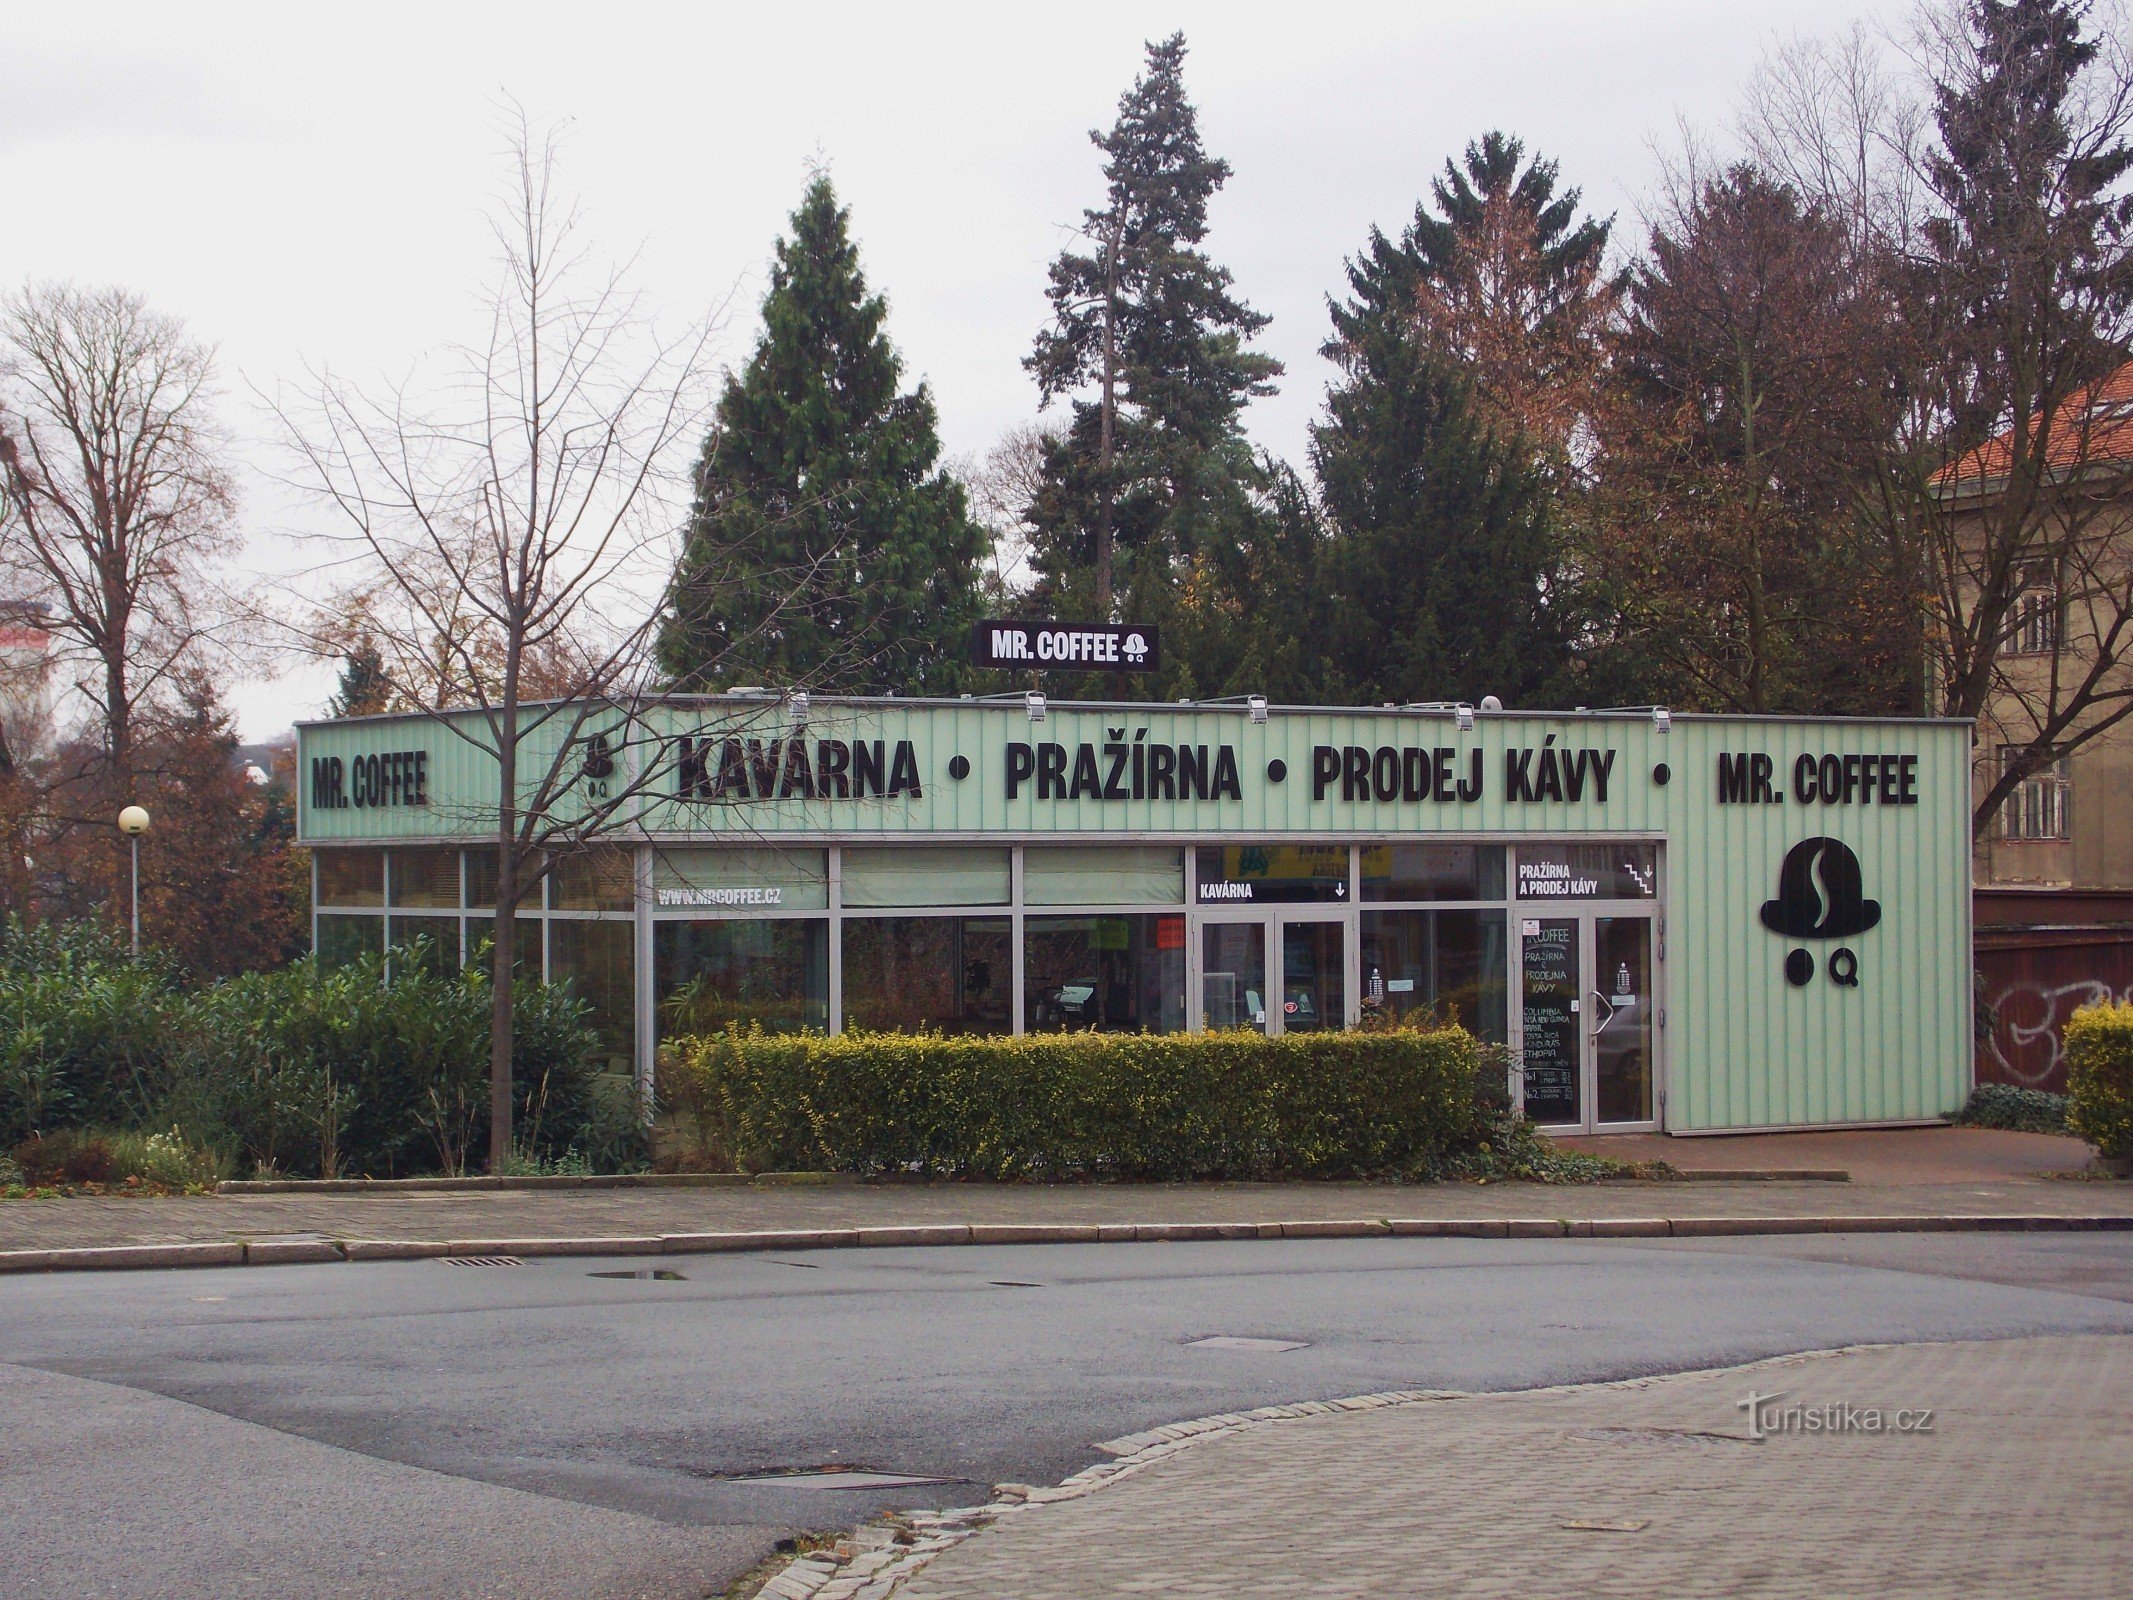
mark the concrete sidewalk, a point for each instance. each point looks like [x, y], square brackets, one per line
[1974, 1174]
[2017, 1485]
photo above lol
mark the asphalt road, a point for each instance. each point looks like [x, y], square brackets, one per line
[427, 1429]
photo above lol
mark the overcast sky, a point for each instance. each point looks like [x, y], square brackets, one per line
[305, 184]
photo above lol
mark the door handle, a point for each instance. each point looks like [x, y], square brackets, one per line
[1600, 1026]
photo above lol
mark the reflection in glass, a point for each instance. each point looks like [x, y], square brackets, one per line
[925, 876]
[1622, 1029]
[774, 972]
[525, 945]
[594, 879]
[598, 960]
[1112, 974]
[921, 974]
[1433, 872]
[351, 877]
[1447, 963]
[1313, 977]
[1233, 975]
[342, 940]
[431, 942]
[425, 878]
[481, 879]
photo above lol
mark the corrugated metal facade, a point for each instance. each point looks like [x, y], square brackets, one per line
[1744, 1047]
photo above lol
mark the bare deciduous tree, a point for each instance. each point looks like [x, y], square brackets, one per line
[117, 507]
[512, 524]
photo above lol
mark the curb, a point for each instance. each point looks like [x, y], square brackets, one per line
[287, 1252]
[609, 1180]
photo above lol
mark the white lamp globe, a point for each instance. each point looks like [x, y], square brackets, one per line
[133, 820]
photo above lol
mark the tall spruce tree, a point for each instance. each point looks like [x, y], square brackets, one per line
[1149, 342]
[1441, 563]
[1503, 278]
[826, 547]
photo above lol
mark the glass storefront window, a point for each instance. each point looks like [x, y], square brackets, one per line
[1588, 871]
[925, 877]
[772, 971]
[1433, 871]
[437, 938]
[1113, 974]
[1102, 875]
[940, 974]
[525, 939]
[351, 877]
[598, 879]
[1449, 962]
[481, 880]
[1267, 874]
[741, 880]
[598, 960]
[342, 940]
[425, 878]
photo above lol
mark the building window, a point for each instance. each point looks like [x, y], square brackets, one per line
[1449, 964]
[1112, 974]
[2041, 805]
[2033, 621]
[929, 974]
[769, 972]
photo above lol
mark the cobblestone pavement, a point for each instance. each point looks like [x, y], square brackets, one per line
[2023, 1487]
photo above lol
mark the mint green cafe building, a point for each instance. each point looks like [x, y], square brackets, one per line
[1670, 922]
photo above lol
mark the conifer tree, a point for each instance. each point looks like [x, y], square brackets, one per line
[1503, 278]
[826, 546]
[1441, 558]
[1148, 341]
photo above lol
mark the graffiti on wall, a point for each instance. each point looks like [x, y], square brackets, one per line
[2027, 1045]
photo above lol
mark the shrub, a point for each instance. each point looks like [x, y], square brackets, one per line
[83, 1039]
[2002, 1105]
[70, 1155]
[1214, 1105]
[2099, 1078]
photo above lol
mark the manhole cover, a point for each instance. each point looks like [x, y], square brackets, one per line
[1230, 1341]
[831, 1477]
[482, 1261]
[644, 1275]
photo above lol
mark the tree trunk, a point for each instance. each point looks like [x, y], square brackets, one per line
[503, 955]
[1109, 410]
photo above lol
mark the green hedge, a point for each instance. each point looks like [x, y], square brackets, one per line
[306, 1070]
[1211, 1105]
[2099, 1078]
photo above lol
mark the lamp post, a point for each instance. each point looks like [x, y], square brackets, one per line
[133, 822]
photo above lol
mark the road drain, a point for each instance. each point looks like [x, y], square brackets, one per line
[831, 1476]
[644, 1274]
[1228, 1341]
[1688, 1438]
[482, 1261]
[1013, 1283]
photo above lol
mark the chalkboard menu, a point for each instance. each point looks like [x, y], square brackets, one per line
[1549, 958]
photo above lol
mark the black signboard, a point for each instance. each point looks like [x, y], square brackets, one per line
[1549, 956]
[1072, 646]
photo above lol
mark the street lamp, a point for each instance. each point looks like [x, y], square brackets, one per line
[133, 822]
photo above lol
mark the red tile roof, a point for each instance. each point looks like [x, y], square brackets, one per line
[2092, 427]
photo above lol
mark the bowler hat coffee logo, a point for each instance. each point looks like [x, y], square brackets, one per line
[1821, 895]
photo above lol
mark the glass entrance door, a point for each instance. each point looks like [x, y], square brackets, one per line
[1588, 1014]
[1314, 974]
[1279, 972]
[1233, 973]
